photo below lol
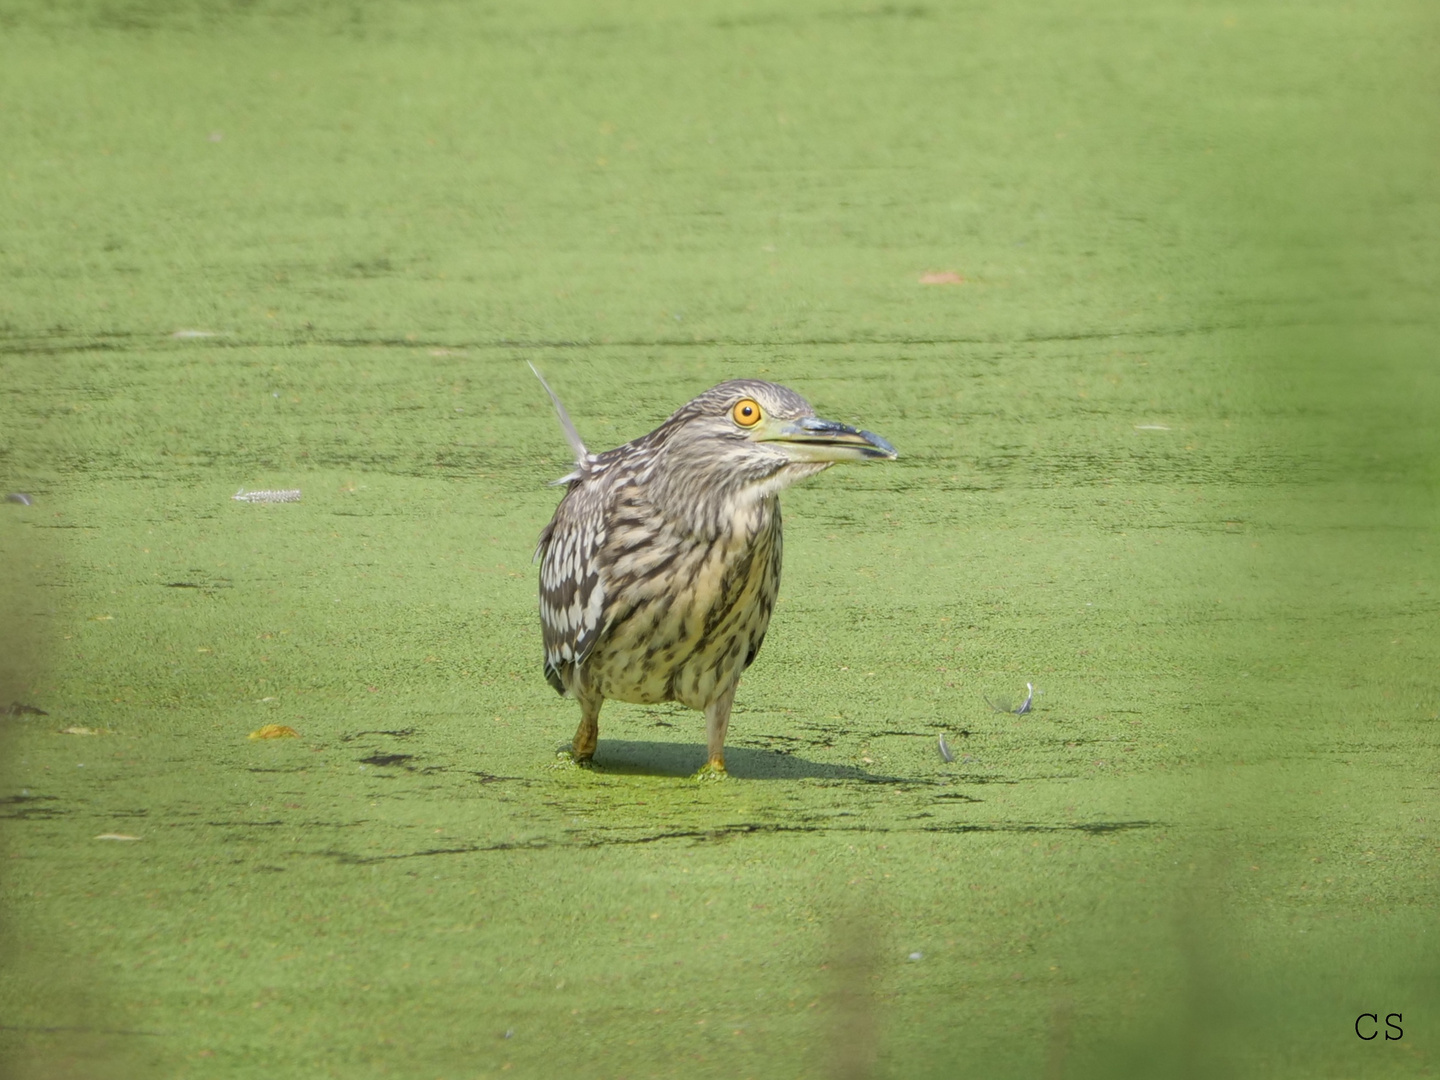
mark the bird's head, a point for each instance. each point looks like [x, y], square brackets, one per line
[746, 439]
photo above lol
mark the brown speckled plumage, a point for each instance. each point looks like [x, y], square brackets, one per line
[660, 568]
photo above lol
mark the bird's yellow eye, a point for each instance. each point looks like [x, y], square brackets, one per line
[746, 413]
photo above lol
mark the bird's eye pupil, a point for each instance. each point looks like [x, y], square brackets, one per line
[747, 413]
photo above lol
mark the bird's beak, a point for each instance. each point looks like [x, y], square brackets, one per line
[813, 439]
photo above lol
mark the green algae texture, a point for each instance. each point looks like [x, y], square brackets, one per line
[1144, 295]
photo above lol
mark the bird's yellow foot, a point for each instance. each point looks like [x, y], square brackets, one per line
[565, 759]
[712, 770]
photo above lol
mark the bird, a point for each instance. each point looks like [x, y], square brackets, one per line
[660, 568]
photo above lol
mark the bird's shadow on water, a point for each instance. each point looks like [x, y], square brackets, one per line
[634, 757]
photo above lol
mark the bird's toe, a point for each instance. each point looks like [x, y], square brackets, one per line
[565, 759]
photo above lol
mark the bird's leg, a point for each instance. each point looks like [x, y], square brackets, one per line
[717, 722]
[582, 750]
[582, 747]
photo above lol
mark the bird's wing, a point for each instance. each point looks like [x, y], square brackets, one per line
[572, 595]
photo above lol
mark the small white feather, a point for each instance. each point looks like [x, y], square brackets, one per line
[571, 435]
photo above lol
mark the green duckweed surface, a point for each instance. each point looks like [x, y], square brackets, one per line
[1143, 293]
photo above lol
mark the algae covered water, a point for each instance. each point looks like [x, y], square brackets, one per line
[1142, 294]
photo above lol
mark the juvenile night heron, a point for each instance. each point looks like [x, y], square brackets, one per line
[659, 570]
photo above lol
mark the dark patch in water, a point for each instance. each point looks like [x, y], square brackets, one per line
[491, 778]
[741, 829]
[972, 779]
[242, 824]
[726, 832]
[917, 734]
[1094, 828]
[723, 832]
[19, 708]
[25, 812]
[200, 582]
[350, 859]
[400, 733]
[386, 760]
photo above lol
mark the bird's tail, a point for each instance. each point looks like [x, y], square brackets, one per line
[571, 435]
